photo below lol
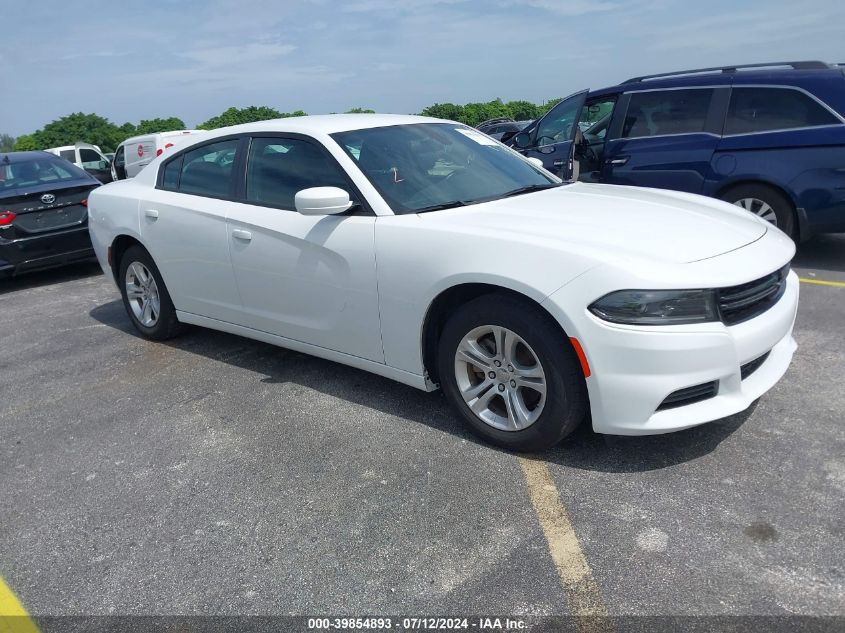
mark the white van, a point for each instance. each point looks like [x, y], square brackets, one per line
[135, 153]
[88, 157]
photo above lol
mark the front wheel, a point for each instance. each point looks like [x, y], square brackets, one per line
[511, 373]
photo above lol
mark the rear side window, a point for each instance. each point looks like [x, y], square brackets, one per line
[207, 170]
[278, 168]
[768, 109]
[664, 112]
[68, 154]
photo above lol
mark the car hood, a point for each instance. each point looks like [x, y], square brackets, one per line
[624, 221]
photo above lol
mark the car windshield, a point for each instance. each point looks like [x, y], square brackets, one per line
[38, 171]
[432, 166]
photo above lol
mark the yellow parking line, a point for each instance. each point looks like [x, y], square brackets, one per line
[821, 282]
[13, 617]
[582, 592]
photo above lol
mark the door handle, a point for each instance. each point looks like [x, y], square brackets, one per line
[151, 213]
[240, 234]
[617, 161]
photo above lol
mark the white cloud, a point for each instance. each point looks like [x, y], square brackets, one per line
[227, 55]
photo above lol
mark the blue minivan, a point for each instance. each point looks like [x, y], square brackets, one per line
[767, 137]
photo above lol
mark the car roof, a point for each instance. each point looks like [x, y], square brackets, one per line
[719, 77]
[327, 123]
[20, 157]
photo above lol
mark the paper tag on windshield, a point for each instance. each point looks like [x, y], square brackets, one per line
[478, 137]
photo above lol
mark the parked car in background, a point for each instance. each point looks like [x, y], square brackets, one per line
[767, 137]
[135, 153]
[501, 129]
[43, 212]
[86, 156]
[652, 311]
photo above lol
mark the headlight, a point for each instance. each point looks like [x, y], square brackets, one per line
[657, 307]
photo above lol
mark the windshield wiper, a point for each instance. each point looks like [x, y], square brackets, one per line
[531, 188]
[445, 205]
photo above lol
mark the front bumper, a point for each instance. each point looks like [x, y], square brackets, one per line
[634, 369]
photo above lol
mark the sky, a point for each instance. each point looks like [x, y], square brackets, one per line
[195, 58]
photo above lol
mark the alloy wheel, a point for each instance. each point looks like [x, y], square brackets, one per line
[500, 378]
[142, 294]
[758, 207]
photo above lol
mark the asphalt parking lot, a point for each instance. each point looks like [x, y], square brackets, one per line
[217, 475]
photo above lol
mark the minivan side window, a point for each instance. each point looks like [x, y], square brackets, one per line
[664, 112]
[768, 109]
[280, 167]
[208, 170]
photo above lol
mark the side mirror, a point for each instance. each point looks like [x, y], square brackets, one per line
[322, 201]
[522, 140]
[536, 162]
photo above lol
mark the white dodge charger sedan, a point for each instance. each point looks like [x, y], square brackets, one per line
[424, 251]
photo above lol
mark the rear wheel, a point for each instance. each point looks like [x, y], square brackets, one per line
[145, 296]
[766, 202]
[511, 374]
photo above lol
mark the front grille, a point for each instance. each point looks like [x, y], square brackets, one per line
[746, 301]
[751, 366]
[690, 395]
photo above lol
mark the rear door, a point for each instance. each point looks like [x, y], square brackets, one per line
[552, 138]
[667, 138]
[183, 223]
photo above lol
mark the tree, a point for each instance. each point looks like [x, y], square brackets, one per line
[237, 116]
[7, 143]
[153, 126]
[26, 143]
[522, 110]
[445, 111]
[70, 129]
[360, 111]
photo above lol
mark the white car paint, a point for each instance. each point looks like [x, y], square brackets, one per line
[356, 289]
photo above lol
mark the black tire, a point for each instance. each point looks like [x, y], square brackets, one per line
[780, 204]
[167, 325]
[566, 404]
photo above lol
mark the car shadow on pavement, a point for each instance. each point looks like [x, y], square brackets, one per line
[51, 276]
[822, 252]
[584, 449]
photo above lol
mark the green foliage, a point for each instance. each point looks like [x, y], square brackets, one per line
[26, 143]
[153, 126]
[7, 143]
[475, 113]
[237, 116]
[91, 128]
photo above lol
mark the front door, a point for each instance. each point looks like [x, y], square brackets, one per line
[552, 138]
[307, 278]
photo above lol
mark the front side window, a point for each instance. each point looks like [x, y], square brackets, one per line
[664, 112]
[91, 159]
[557, 125]
[207, 170]
[120, 157]
[430, 166]
[278, 168]
[768, 109]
